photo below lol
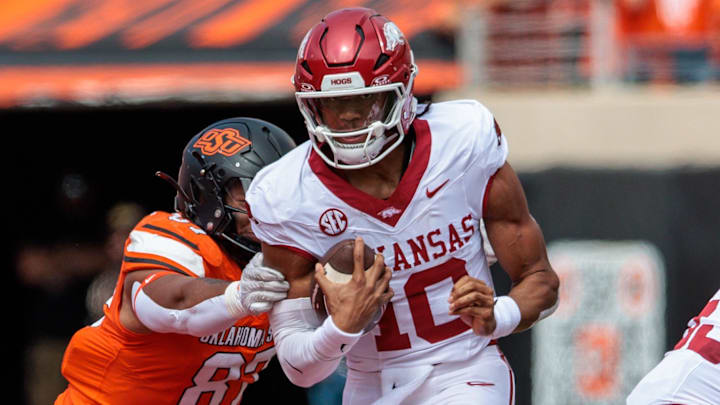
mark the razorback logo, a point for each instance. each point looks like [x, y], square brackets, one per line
[389, 212]
[393, 36]
[226, 141]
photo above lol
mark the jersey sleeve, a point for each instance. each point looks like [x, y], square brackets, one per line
[274, 221]
[489, 151]
[164, 241]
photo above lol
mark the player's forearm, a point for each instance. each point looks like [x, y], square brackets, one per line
[297, 270]
[178, 304]
[205, 318]
[181, 292]
[198, 290]
[536, 295]
[520, 248]
[300, 361]
[308, 351]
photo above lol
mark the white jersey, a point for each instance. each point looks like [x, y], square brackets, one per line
[427, 230]
[690, 373]
[703, 333]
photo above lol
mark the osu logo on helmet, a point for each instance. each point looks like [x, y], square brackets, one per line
[226, 141]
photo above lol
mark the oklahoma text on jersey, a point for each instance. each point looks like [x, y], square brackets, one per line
[173, 367]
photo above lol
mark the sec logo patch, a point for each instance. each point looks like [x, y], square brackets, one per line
[333, 222]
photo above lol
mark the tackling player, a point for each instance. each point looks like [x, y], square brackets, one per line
[414, 182]
[180, 327]
[690, 373]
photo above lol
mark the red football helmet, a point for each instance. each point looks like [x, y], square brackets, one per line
[353, 79]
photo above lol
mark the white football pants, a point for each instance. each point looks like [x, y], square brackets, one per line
[485, 379]
[682, 377]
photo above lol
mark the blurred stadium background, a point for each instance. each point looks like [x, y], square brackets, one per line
[611, 108]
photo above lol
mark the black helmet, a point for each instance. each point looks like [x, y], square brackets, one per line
[228, 149]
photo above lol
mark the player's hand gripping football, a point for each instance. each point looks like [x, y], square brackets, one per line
[260, 286]
[352, 305]
[474, 301]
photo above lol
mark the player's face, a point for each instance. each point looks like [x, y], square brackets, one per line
[351, 113]
[235, 197]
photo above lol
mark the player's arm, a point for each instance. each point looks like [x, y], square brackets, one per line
[353, 304]
[167, 302]
[520, 248]
[310, 349]
[297, 269]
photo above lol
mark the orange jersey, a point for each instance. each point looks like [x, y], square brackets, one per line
[108, 364]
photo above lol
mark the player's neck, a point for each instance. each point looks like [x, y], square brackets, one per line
[381, 179]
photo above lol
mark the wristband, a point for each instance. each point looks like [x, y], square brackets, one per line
[507, 316]
[232, 300]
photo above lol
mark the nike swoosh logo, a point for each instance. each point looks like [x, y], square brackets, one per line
[294, 368]
[480, 383]
[431, 193]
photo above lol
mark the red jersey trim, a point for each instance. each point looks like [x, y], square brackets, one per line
[391, 209]
[485, 196]
[512, 379]
[299, 252]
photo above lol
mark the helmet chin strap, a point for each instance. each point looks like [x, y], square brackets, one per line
[246, 245]
[320, 133]
[239, 244]
[240, 247]
[361, 152]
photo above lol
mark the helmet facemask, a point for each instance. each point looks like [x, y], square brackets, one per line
[206, 203]
[247, 244]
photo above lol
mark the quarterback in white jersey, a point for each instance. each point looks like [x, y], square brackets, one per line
[690, 373]
[415, 189]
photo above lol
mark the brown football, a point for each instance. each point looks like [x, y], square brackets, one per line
[338, 263]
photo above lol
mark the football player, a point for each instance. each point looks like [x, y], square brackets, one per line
[690, 373]
[414, 182]
[188, 319]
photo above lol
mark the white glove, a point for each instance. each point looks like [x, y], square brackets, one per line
[257, 290]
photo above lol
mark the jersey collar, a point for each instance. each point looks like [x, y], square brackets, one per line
[391, 209]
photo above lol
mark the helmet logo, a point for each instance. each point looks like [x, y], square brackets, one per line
[306, 87]
[342, 81]
[333, 222]
[393, 36]
[381, 80]
[226, 141]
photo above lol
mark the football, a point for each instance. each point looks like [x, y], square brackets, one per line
[338, 265]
